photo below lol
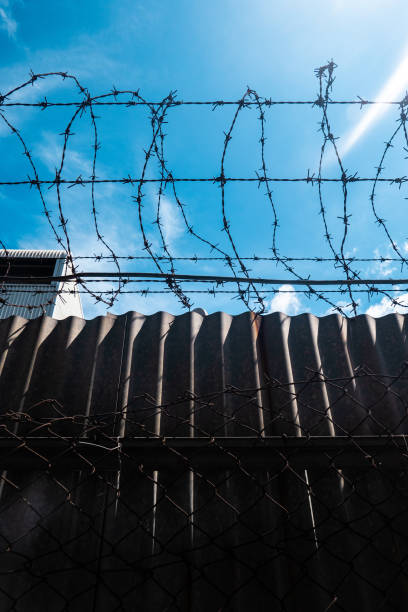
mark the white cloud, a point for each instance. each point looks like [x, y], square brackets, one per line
[171, 222]
[289, 303]
[383, 268]
[8, 23]
[387, 307]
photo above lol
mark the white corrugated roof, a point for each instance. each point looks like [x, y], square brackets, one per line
[54, 254]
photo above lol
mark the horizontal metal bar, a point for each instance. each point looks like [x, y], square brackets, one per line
[275, 453]
[198, 277]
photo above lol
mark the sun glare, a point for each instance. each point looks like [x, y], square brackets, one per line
[393, 89]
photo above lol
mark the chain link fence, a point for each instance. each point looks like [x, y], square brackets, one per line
[211, 502]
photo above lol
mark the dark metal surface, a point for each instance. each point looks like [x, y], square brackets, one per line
[104, 364]
[202, 463]
[206, 278]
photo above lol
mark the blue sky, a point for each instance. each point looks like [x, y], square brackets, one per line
[207, 51]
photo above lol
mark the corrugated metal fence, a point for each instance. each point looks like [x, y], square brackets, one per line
[204, 463]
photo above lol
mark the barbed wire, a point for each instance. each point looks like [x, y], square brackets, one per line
[215, 103]
[212, 179]
[247, 287]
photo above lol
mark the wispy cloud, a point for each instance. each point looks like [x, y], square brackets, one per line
[170, 221]
[49, 151]
[8, 23]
